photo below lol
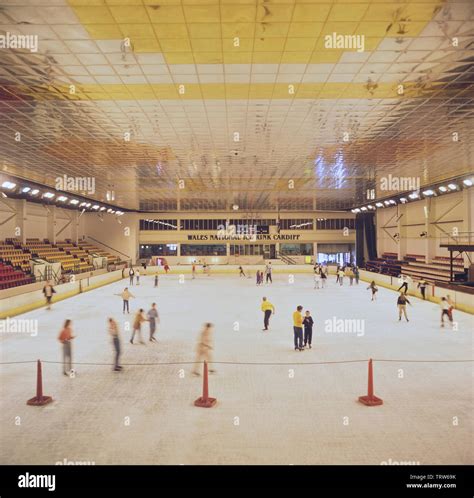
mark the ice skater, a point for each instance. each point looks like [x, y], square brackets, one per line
[356, 274]
[137, 275]
[48, 291]
[308, 329]
[374, 290]
[157, 279]
[324, 277]
[204, 348]
[131, 274]
[268, 272]
[65, 338]
[317, 278]
[267, 308]
[241, 272]
[404, 285]
[125, 295]
[422, 286]
[298, 329]
[154, 319]
[193, 271]
[341, 276]
[114, 333]
[445, 311]
[402, 306]
[137, 325]
[451, 306]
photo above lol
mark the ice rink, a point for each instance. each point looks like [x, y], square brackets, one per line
[265, 414]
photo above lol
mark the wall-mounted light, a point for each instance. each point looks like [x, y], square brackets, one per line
[428, 192]
[49, 195]
[9, 185]
[467, 182]
[443, 188]
[452, 186]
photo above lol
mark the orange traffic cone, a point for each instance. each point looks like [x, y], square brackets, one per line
[205, 401]
[39, 399]
[370, 399]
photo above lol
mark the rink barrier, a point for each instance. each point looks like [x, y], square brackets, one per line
[207, 402]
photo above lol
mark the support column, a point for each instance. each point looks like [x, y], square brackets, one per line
[75, 227]
[402, 231]
[430, 239]
[20, 221]
[51, 224]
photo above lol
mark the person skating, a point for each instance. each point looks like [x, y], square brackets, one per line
[268, 272]
[404, 285]
[356, 274]
[137, 275]
[193, 271]
[298, 328]
[126, 295]
[204, 348]
[445, 311]
[241, 272]
[137, 325]
[154, 319]
[157, 279]
[114, 333]
[422, 286]
[374, 290]
[451, 306]
[317, 278]
[308, 329]
[324, 277]
[48, 291]
[350, 274]
[65, 338]
[267, 308]
[257, 276]
[341, 275]
[402, 306]
[131, 274]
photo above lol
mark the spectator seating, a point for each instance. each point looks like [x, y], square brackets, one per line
[9, 277]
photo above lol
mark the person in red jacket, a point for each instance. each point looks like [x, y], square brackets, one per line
[65, 338]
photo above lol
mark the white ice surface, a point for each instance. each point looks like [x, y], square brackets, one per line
[311, 417]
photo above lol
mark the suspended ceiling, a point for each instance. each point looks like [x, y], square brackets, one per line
[237, 101]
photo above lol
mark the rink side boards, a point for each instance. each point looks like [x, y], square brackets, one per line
[16, 305]
[23, 303]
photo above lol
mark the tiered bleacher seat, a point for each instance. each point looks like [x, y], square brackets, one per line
[53, 254]
[92, 249]
[15, 256]
[387, 264]
[78, 254]
[9, 277]
[437, 270]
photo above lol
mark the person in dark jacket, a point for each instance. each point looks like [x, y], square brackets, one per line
[402, 306]
[308, 329]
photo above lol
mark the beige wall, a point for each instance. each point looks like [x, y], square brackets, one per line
[437, 216]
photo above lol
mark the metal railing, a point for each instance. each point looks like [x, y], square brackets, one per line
[460, 238]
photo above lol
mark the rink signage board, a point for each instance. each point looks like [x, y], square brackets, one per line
[245, 237]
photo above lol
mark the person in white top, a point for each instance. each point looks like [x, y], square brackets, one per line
[444, 304]
[137, 275]
[317, 278]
